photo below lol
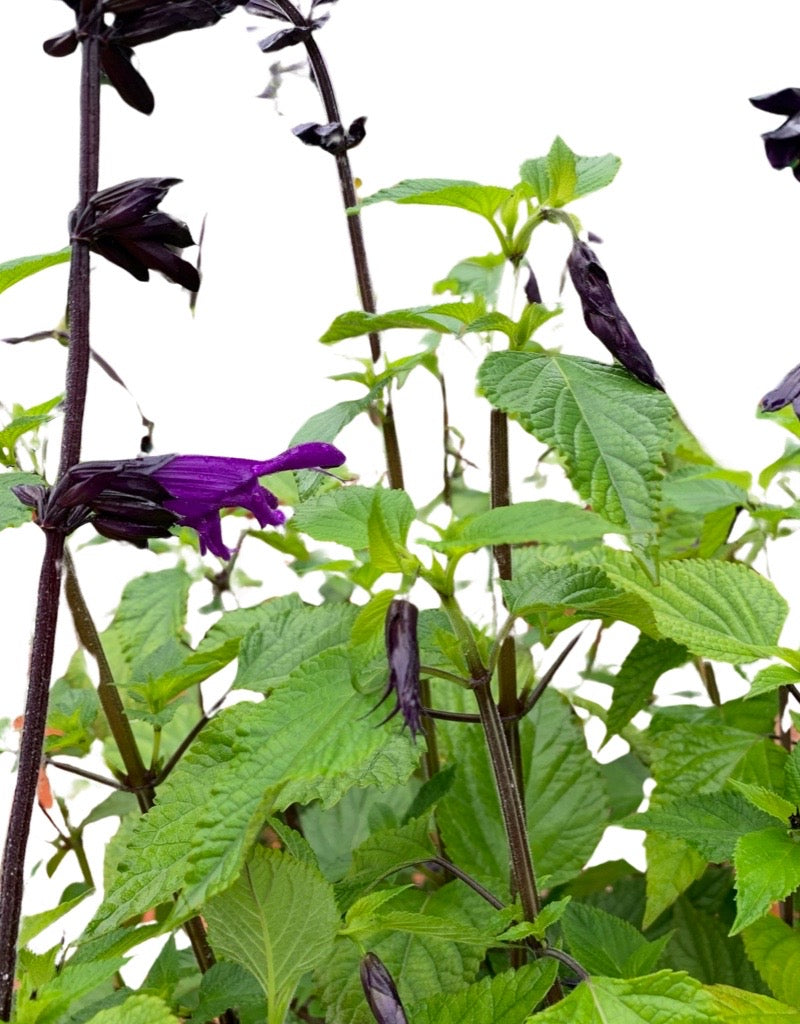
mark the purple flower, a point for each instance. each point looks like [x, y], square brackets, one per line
[788, 391]
[402, 651]
[124, 224]
[603, 316]
[381, 992]
[783, 144]
[136, 499]
[332, 137]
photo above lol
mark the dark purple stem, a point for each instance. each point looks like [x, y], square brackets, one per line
[41, 664]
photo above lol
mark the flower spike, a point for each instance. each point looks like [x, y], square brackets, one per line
[137, 499]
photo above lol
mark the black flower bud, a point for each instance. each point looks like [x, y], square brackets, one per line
[787, 392]
[402, 651]
[381, 992]
[332, 137]
[603, 316]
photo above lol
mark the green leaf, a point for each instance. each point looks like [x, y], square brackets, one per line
[767, 866]
[644, 665]
[383, 854]
[719, 610]
[770, 802]
[774, 948]
[770, 678]
[624, 778]
[288, 633]
[48, 1001]
[672, 866]
[792, 776]
[309, 740]
[667, 996]
[507, 998]
[700, 945]
[608, 428]
[326, 426]
[228, 986]
[562, 176]
[539, 585]
[697, 757]
[733, 1006]
[278, 920]
[545, 521]
[448, 318]
[12, 511]
[702, 489]
[24, 421]
[33, 924]
[605, 944]
[711, 823]
[138, 1009]
[466, 195]
[565, 797]
[390, 517]
[477, 276]
[15, 270]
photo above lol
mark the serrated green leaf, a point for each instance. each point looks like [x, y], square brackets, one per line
[344, 515]
[609, 429]
[711, 823]
[227, 986]
[390, 517]
[697, 757]
[538, 585]
[48, 1001]
[13, 271]
[138, 1009]
[278, 920]
[734, 1006]
[702, 489]
[774, 948]
[767, 866]
[507, 998]
[383, 854]
[624, 778]
[477, 276]
[672, 866]
[602, 943]
[565, 797]
[466, 195]
[545, 521]
[447, 318]
[770, 678]
[767, 800]
[33, 924]
[719, 610]
[288, 633]
[12, 511]
[309, 740]
[792, 776]
[668, 997]
[700, 945]
[644, 665]
[562, 176]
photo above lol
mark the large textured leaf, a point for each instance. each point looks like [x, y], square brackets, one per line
[700, 944]
[642, 668]
[46, 1001]
[697, 757]
[720, 610]
[664, 998]
[15, 270]
[735, 1006]
[767, 869]
[344, 515]
[309, 740]
[561, 176]
[609, 429]
[507, 998]
[606, 945]
[672, 866]
[382, 854]
[466, 195]
[288, 634]
[774, 948]
[546, 521]
[278, 920]
[565, 798]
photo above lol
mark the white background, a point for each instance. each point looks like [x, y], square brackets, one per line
[700, 234]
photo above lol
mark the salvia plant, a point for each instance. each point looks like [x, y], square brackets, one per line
[395, 825]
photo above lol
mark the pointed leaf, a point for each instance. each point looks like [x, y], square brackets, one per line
[767, 869]
[507, 998]
[466, 195]
[15, 270]
[774, 948]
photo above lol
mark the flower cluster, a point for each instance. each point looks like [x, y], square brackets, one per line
[124, 224]
[402, 652]
[139, 499]
[783, 144]
[333, 137]
[135, 22]
[603, 316]
[380, 990]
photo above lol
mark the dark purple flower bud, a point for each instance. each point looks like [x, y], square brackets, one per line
[783, 144]
[603, 316]
[532, 293]
[136, 499]
[124, 224]
[144, 21]
[332, 137]
[402, 651]
[381, 992]
[788, 391]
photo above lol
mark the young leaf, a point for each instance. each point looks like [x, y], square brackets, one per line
[138, 1009]
[672, 866]
[767, 869]
[605, 944]
[609, 429]
[447, 318]
[15, 270]
[278, 920]
[774, 948]
[383, 854]
[561, 176]
[644, 665]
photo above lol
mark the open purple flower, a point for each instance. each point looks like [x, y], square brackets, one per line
[402, 652]
[783, 144]
[786, 393]
[123, 223]
[136, 499]
[603, 316]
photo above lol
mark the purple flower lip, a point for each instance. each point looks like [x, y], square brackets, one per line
[138, 499]
[782, 145]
